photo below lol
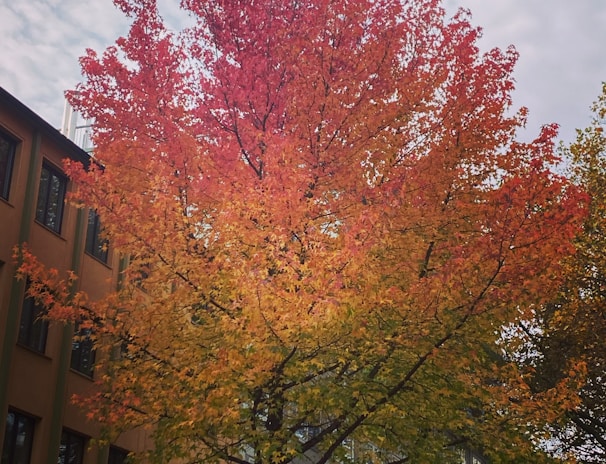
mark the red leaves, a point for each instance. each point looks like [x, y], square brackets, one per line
[321, 202]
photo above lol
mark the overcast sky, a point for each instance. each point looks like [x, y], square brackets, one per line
[561, 44]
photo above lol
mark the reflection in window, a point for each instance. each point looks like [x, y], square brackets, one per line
[18, 437]
[7, 158]
[33, 327]
[95, 244]
[83, 352]
[51, 197]
[71, 449]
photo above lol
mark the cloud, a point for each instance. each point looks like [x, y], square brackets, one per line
[562, 60]
[42, 41]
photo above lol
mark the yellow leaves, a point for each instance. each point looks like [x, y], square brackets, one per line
[320, 239]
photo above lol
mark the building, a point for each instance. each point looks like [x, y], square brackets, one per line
[42, 364]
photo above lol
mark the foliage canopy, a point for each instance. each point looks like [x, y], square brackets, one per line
[571, 328]
[326, 219]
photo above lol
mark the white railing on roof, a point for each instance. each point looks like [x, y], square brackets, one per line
[76, 128]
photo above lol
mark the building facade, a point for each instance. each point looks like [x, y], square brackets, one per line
[43, 364]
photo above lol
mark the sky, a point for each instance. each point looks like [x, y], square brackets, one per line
[559, 73]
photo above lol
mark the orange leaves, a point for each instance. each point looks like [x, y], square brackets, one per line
[325, 215]
[54, 292]
[518, 400]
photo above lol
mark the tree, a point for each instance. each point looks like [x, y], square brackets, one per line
[573, 326]
[325, 219]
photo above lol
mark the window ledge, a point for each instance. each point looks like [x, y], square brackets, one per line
[100, 261]
[90, 378]
[33, 351]
[55, 233]
[6, 202]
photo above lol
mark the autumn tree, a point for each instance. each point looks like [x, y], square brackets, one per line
[325, 219]
[571, 328]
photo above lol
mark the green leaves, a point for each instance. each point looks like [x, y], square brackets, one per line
[326, 216]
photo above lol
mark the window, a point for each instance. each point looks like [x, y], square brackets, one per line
[83, 353]
[51, 196]
[18, 438]
[71, 450]
[7, 157]
[95, 245]
[117, 456]
[33, 328]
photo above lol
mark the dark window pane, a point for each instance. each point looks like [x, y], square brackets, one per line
[7, 156]
[33, 328]
[51, 197]
[42, 195]
[83, 353]
[71, 450]
[117, 456]
[95, 245]
[18, 438]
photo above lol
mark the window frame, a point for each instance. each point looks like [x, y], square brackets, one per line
[8, 164]
[51, 218]
[95, 245]
[33, 331]
[10, 451]
[70, 439]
